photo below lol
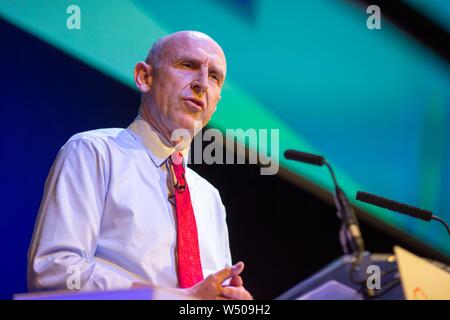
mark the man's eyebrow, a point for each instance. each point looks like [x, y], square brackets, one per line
[186, 58]
[197, 61]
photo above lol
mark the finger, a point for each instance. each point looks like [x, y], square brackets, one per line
[236, 293]
[236, 281]
[239, 267]
[228, 272]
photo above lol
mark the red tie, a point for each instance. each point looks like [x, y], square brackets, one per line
[189, 264]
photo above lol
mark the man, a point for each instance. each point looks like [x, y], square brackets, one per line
[121, 209]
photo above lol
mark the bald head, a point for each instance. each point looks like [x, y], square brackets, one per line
[180, 82]
[160, 48]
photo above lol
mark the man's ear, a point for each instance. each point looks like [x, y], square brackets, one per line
[143, 76]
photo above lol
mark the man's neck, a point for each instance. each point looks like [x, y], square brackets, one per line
[164, 136]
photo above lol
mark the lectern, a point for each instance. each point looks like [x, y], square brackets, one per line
[342, 280]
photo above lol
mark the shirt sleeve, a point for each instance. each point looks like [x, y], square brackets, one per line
[62, 251]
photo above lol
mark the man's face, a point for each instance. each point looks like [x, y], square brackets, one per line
[187, 82]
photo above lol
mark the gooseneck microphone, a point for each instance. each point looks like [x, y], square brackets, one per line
[304, 157]
[350, 235]
[399, 207]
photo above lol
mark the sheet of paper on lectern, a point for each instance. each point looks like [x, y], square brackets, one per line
[421, 280]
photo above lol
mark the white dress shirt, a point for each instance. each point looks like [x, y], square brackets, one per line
[105, 215]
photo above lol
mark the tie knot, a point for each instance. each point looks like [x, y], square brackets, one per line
[178, 170]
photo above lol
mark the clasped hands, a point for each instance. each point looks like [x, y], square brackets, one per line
[212, 287]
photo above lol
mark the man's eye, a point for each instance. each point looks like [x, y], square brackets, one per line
[187, 64]
[215, 76]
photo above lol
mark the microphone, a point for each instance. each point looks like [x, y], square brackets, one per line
[394, 205]
[399, 207]
[350, 234]
[304, 157]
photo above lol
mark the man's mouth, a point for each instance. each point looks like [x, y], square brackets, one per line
[195, 102]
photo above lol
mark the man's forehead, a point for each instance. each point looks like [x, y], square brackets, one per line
[191, 39]
[194, 45]
[198, 53]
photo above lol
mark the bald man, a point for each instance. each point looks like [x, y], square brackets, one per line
[121, 209]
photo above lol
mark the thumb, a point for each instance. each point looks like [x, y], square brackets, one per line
[229, 272]
[238, 268]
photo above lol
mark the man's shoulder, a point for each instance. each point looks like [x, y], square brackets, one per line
[98, 141]
[97, 135]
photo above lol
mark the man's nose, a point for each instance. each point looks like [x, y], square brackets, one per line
[200, 83]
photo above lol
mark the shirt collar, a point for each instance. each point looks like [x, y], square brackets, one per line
[157, 150]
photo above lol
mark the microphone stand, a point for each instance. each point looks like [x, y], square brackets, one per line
[349, 235]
